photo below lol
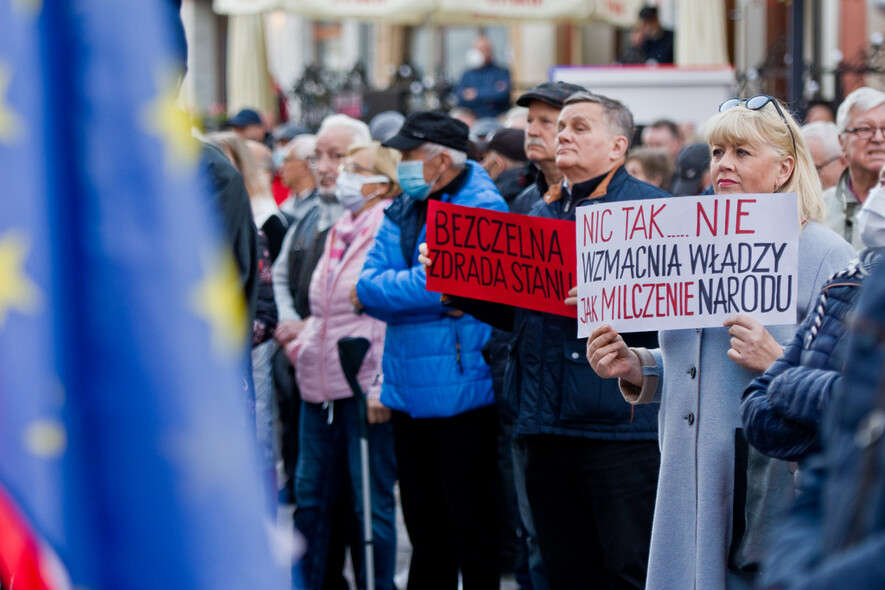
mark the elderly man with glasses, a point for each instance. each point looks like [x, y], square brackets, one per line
[861, 123]
[292, 271]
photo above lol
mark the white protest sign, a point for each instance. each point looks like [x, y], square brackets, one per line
[687, 262]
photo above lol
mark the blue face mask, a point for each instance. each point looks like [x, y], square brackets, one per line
[410, 175]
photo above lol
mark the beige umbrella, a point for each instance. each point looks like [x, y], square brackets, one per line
[390, 11]
[248, 80]
[703, 41]
[617, 12]
[244, 6]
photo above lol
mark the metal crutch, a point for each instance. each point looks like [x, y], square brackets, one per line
[352, 352]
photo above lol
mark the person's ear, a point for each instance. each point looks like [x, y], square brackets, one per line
[784, 171]
[445, 163]
[619, 148]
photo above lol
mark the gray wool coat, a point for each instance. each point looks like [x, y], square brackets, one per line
[699, 389]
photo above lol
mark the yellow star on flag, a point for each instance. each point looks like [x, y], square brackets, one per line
[9, 123]
[17, 292]
[46, 438]
[219, 300]
[163, 118]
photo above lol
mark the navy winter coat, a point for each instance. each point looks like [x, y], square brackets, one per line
[492, 86]
[782, 409]
[549, 381]
[834, 537]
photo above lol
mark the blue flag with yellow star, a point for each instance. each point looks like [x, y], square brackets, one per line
[126, 460]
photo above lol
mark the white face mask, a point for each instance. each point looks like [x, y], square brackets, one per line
[349, 187]
[475, 59]
[871, 218]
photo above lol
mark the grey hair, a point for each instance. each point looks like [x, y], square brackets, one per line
[618, 117]
[861, 100]
[302, 147]
[459, 158]
[827, 133]
[359, 131]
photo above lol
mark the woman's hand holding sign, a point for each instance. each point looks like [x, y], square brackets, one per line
[752, 347]
[610, 356]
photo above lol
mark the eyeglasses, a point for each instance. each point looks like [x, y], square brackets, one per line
[866, 132]
[314, 160]
[354, 168]
[756, 103]
[827, 162]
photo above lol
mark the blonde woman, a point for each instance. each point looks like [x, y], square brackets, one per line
[698, 375]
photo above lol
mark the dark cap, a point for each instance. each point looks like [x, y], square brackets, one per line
[648, 13]
[289, 131]
[484, 127]
[245, 118]
[510, 143]
[385, 124]
[553, 93]
[691, 163]
[429, 127]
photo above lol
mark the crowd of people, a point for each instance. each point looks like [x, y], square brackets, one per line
[733, 457]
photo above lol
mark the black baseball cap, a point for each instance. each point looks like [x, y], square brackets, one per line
[426, 126]
[553, 93]
[648, 13]
[510, 143]
[691, 163]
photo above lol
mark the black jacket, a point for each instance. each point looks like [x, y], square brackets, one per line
[232, 203]
[548, 382]
[305, 251]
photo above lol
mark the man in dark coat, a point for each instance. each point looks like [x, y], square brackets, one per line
[485, 88]
[591, 461]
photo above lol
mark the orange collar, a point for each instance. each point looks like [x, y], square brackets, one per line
[554, 193]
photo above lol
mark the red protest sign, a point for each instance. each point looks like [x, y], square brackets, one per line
[523, 261]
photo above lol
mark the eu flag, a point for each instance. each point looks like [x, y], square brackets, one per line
[126, 459]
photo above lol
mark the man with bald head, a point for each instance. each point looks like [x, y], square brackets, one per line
[485, 87]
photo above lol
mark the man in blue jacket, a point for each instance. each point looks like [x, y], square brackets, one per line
[485, 87]
[436, 382]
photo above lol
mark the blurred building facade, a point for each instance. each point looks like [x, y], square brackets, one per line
[840, 41]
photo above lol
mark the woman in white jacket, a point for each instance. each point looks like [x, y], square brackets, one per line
[329, 428]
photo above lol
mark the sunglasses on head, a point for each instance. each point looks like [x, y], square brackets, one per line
[756, 103]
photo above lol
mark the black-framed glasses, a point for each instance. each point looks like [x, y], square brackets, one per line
[866, 131]
[755, 103]
[827, 162]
